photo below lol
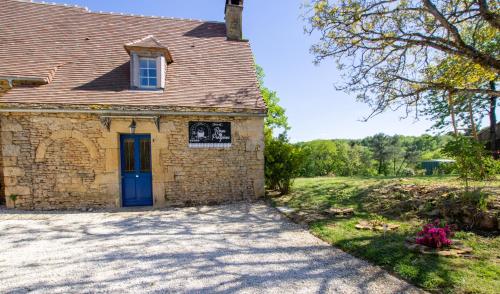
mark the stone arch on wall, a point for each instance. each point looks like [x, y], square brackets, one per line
[42, 147]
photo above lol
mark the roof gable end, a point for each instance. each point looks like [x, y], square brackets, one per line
[149, 43]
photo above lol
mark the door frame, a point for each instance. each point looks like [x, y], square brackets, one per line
[122, 136]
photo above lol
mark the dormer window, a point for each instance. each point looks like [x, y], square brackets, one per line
[148, 63]
[148, 75]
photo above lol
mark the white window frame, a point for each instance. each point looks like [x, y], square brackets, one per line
[148, 87]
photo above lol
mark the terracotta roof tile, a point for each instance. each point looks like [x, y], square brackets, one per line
[82, 54]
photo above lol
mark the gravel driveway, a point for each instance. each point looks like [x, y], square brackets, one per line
[247, 248]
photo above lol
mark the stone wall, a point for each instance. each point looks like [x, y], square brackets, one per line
[2, 195]
[71, 161]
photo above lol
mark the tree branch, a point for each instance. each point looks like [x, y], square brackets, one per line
[491, 17]
[485, 60]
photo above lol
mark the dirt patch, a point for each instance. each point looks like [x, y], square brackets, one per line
[406, 201]
[308, 216]
[456, 249]
[376, 226]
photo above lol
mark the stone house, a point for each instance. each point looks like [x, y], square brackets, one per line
[113, 110]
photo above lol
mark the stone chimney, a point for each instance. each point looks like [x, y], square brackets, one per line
[234, 19]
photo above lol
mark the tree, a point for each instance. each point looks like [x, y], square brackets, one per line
[382, 154]
[347, 159]
[411, 156]
[365, 167]
[395, 151]
[379, 145]
[276, 119]
[461, 114]
[334, 157]
[457, 71]
[493, 122]
[320, 158]
[471, 162]
[391, 51]
[282, 159]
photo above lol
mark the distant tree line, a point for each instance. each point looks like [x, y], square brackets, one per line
[376, 155]
[437, 59]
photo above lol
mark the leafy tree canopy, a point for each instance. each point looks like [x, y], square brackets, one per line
[392, 52]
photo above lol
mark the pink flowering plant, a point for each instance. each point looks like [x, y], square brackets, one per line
[435, 235]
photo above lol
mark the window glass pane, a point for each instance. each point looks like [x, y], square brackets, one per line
[145, 155]
[128, 155]
[147, 74]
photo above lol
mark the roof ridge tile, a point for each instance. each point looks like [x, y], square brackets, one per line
[84, 8]
[55, 4]
[155, 17]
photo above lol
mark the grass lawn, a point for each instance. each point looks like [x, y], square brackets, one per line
[480, 274]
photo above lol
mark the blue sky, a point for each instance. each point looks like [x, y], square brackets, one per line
[276, 32]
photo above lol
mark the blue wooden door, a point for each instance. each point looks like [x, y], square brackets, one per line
[135, 153]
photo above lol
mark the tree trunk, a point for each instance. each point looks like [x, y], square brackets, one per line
[401, 167]
[472, 123]
[380, 167]
[493, 122]
[394, 166]
[452, 113]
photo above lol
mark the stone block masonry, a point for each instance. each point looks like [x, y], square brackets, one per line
[2, 184]
[72, 161]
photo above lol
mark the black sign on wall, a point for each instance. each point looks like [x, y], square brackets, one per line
[208, 133]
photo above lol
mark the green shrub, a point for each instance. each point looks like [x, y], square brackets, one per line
[476, 198]
[282, 163]
[471, 160]
[407, 172]
[446, 168]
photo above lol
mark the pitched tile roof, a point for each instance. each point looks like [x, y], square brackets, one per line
[81, 55]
